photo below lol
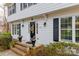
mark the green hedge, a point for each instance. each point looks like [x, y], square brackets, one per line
[60, 49]
[56, 49]
[5, 39]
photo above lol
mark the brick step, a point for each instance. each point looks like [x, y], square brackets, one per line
[18, 51]
[24, 45]
[22, 48]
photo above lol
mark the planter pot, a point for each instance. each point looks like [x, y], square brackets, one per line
[20, 38]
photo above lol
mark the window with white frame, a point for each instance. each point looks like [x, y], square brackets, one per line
[13, 29]
[25, 5]
[12, 9]
[66, 28]
[16, 29]
[30, 4]
[77, 29]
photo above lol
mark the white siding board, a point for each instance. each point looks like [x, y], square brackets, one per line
[37, 10]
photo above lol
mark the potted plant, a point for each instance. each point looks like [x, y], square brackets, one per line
[20, 38]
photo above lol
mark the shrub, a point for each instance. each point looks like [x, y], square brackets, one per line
[5, 39]
[12, 43]
[55, 49]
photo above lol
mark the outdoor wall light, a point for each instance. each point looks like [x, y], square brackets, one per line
[44, 24]
[22, 25]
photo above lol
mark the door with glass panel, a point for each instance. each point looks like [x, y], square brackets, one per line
[32, 30]
[66, 28]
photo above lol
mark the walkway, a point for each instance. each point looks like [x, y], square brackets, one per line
[8, 53]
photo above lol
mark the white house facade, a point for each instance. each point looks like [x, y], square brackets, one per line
[48, 22]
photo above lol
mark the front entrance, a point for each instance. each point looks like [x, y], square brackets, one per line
[56, 29]
[19, 32]
[32, 30]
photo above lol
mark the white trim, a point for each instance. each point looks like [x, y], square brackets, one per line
[73, 26]
[59, 29]
[67, 15]
[42, 8]
[73, 29]
[52, 29]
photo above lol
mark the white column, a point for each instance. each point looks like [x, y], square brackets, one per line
[59, 29]
[73, 29]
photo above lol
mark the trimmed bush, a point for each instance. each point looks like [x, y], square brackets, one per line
[56, 49]
[13, 42]
[5, 39]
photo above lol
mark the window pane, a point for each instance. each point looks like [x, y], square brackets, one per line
[13, 29]
[66, 34]
[29, 4]
[77, 23]
[77, 28]
[12, 9]
[77, 35]
[66, 23]
[18, 29]
[66, 28]
[25, 5]
[63, 26]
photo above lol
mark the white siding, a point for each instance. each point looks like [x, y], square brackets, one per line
[45, 34]
[36, 10]
[25, 32]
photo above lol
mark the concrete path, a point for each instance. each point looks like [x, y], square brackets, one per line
[8, 53]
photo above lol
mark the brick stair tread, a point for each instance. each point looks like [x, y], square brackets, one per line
[24, 45]
[21, 48]
[18, 51]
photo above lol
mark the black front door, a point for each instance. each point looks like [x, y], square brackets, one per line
[19, 29]
[32, 29]
[56, 29]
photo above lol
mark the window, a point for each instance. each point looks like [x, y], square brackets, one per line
[12, 9]
[66, 28]
[16, 29]
[37, 28]
[13, 29]
[77, 28]
[30, 4]
[23, 6]
[66, 23]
